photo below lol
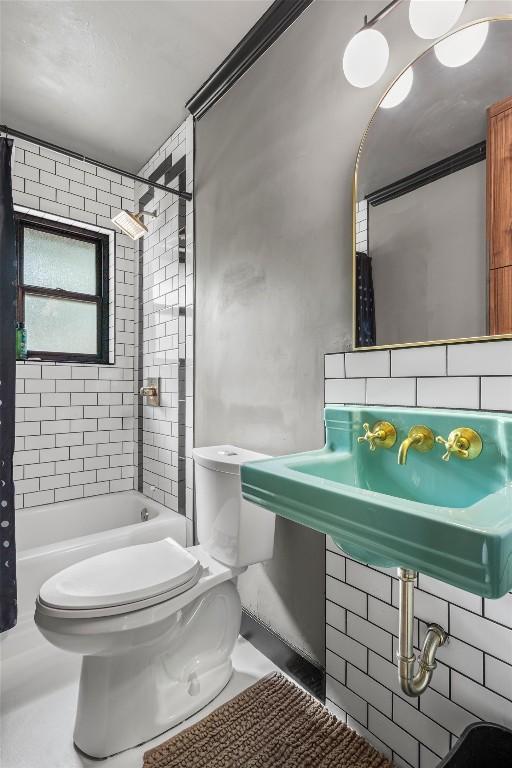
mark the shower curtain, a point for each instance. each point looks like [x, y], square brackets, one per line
[365, 302]
[8, 609]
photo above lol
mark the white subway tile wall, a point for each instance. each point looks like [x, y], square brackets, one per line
[167, 255]
[474, 676]
[451, 391]
[391, 391]
[75, 423]
[366, 364]
[418, 361]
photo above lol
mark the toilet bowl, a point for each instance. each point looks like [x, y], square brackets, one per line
[156, 623]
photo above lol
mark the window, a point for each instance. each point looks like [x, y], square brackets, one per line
[63, 290]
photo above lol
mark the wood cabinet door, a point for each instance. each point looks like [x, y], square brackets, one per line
[499, 215]
[500, 301]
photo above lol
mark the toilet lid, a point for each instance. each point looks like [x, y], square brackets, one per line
[122, 576]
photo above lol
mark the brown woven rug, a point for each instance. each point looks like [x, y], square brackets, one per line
[272, 724]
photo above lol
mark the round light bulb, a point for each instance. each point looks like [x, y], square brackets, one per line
[399, 90]
[432, 18]
[461, 47]
[365, 58]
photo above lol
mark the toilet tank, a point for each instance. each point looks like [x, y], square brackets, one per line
[231, 529]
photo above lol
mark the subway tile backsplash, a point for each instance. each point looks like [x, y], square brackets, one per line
[480, 359]
[391, 391]
[335, 366]
[345, 390]
[496, 393]
[418, 361]
[450, 391]
[473, 680]
[367, 364]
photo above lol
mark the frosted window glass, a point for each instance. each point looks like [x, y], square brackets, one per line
[61, 325]
[54, 261]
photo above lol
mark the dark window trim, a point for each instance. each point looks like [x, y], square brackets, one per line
[101, 297]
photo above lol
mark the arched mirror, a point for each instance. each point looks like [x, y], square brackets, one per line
[433, 197]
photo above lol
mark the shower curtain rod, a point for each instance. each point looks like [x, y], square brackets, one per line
[83, 158]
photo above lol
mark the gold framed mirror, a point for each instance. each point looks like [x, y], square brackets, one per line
[432, 198]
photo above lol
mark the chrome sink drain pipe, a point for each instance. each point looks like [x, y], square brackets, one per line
[414, 683]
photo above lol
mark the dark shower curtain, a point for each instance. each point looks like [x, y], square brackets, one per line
[366, 335]
[8, 607]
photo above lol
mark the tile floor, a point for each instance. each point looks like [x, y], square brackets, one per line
[37, 723]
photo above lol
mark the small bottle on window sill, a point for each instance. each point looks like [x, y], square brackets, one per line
[21, 341]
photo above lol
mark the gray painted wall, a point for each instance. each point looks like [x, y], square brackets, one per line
[425, 245]
[274, 168]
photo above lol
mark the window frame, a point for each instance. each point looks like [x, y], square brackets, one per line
[100, 298]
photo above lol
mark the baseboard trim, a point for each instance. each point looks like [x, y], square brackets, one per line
[308, 674]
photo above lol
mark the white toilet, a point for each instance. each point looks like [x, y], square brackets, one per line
[156, 623]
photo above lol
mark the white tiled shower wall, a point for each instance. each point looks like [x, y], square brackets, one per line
[167, 336]
[474, 676]
[75, 423]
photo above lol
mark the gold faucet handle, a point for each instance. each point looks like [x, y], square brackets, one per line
[464, 442]
[453, 444]
[382, 434]
[368, 437]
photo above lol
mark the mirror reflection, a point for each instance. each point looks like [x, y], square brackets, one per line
[433, 199]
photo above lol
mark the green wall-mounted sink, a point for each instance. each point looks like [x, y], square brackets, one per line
[451, 520]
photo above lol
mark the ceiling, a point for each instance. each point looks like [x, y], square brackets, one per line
[445, 112]
[110, 79]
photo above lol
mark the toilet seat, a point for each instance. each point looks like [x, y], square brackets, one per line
[121, 580]
[115, 610]
[139, 613]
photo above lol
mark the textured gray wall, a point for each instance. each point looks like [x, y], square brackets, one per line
[274, 164]
[425, 245]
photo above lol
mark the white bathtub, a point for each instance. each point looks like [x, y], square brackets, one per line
[48, 539]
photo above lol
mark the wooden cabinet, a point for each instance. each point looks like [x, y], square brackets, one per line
[499, 215]
[500, 300]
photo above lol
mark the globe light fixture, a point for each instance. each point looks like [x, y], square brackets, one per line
[366, 58]
[399, 90]
[458, 49]
[433, 18]
[367, 54]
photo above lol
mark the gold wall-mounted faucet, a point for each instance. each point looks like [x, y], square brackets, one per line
[463, 442]
[382, 435]
[421, 438]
